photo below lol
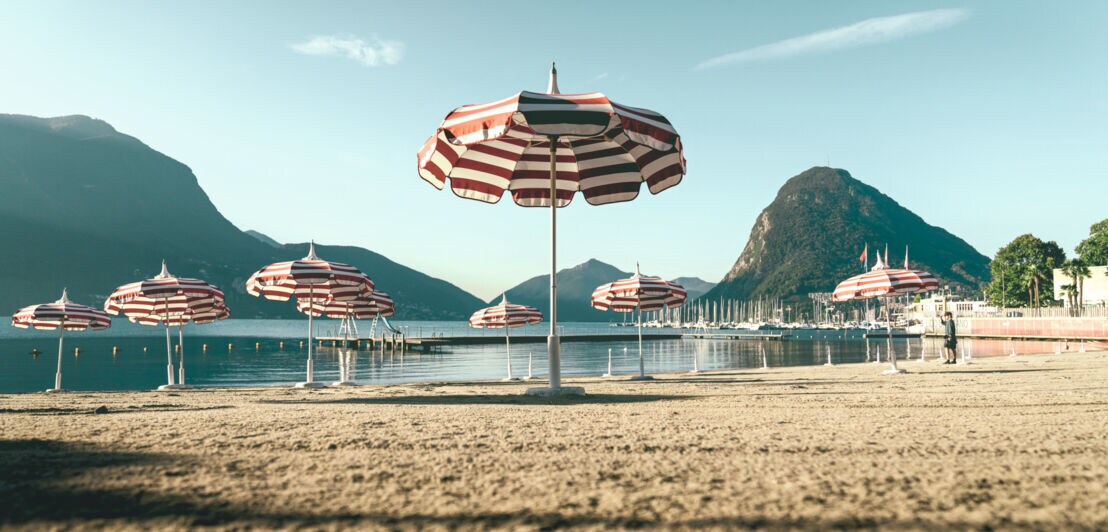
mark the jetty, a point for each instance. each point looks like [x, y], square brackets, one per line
[428, 343]
[734, 336]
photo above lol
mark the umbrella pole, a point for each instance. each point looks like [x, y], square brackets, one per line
[58, 375]
[310, 339]
[181, 346]
[553, 344]
[168, 350]
[889, 331]
[642, 370]
[508, 348]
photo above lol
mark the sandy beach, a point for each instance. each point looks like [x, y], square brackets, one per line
[1006, 442]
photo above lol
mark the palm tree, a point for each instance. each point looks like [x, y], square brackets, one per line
[1071, 295]
[1080, 272]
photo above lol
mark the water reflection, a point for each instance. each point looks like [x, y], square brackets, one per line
[259, 360]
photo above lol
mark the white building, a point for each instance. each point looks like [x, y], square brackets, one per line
[1095, 288]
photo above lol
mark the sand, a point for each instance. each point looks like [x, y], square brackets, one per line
[1007, 442]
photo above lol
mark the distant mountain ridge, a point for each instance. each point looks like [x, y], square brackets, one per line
[810, 238]
[575, 286]
[89, 208]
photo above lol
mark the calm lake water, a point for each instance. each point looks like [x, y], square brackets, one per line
[140, 362]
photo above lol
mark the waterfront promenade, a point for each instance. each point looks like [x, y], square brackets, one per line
[1005, 442]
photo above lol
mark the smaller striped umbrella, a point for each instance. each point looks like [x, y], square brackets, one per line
[506, 315]
[885, 282]
[642, 293]
[63, 315]
[368, 305]
[309, 279]
[167, 300]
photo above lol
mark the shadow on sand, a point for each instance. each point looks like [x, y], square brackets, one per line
[483, 399]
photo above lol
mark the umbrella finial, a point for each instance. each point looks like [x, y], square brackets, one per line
[311, 251]
[504, 298]
[637, 273]
[905, 256]
[65, 296]
[165, 271]
[878, 264]
[552, 88]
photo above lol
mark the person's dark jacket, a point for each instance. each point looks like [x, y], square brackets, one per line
[951, 333]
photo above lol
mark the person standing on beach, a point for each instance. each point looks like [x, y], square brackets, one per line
[950, 337]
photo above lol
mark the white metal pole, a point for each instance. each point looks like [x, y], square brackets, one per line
[58, 375]
[609, 374]
[765, 361]
[889, 331]
[181, 346]
[553, 346]
[168, 355]
[168, 347]
[310, 339]
[642, 372]
[508, 347]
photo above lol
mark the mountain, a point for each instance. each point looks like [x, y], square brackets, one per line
[810, 237]
[263, 238]
[695, 286]
[575, 286]
[89, 208]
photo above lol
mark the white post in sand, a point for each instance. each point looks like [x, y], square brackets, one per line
[530, 367]
[765, 361]
[609, 374]
[508, 349]
[867, 349]
[695, 363]
[878, 361]
[828, 357]
[642, 376]
[58, 375]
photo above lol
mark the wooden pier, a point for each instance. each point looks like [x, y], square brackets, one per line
[427, 343]
[735, 336]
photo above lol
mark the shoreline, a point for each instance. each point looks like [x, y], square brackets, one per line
[1005, 442]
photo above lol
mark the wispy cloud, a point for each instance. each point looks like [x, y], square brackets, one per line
[865, 33]
[372, 53]
[599, 76]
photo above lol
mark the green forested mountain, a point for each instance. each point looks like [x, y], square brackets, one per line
[89, 208]
[810, 237]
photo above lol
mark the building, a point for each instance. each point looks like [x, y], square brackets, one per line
[938, 304]
[1095, 288]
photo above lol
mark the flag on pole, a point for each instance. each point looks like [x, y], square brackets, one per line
[865, 256]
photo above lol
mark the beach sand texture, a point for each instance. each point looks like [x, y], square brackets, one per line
[1006, 442]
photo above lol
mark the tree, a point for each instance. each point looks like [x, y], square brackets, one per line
[1094, 250]
[1021, 269]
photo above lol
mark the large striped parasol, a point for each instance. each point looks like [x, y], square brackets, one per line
[544, 148]
[63, 315]
[166, 300]
[506, 315]
[885, 282]
[641, 293]
[309, 279]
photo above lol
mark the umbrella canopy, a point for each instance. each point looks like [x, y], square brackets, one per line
[506, 315]
[216, 312]
[63, 315]
[544, 148]
[375, 304]
[167, 300]
[163, 295]
[886, 282]
[882, 281]
[310, 279]
[642, 293]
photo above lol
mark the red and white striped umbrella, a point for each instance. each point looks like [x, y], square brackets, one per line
[309, 279]
[884, 282]
[167, 300]
[642, 293]
[544, 148]
[62, 315]
[376, 304]
[505, 315]
[217, 312]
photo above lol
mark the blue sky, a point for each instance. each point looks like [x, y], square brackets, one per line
[302, 120]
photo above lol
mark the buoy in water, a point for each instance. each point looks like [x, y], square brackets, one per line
[115, 350]
[257, 345]
[77, 351]
[204, 348]
[35, 352]
[144, 349]
[281, 344]
[230, 346]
